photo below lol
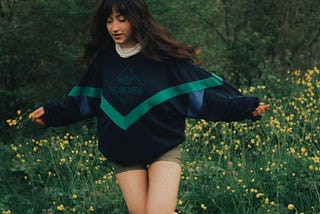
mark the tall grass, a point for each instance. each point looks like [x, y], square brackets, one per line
[270, 166]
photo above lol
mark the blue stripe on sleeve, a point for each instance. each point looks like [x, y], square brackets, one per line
[83, 106]
[195, 103]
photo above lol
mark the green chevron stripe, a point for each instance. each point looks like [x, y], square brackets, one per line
[86, 91]
[126, 121]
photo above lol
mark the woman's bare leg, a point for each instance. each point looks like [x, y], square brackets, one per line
[164, 179]
[134, 187]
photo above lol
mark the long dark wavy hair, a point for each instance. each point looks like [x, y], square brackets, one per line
[156, 41]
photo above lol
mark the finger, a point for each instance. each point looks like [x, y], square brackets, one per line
[259, 111]
[264, 108]
[37, 113]
[255, 113]
[39, 121]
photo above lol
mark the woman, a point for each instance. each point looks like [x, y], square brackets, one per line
[141, 84]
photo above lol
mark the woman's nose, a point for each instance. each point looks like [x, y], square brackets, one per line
[115, 27]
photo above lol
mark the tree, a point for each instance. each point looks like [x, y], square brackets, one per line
[246, 40]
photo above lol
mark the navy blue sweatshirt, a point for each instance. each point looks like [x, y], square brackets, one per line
[141, 104]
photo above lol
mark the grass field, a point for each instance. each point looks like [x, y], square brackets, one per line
[270, 166]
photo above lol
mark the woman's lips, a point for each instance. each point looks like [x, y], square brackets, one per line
[117, 36]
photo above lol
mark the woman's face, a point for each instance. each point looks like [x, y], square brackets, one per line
[120, 30]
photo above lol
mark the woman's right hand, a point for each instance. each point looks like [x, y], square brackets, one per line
[36, 115]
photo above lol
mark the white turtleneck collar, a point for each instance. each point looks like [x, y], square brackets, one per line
[127, 52]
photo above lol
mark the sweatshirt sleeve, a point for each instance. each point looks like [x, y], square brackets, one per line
[82, 102]
[213, 98]
[222, 103]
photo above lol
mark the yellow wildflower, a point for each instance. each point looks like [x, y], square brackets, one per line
[291, 207]
[19, 120]
[60, 207]
[259, 195]
[14, 148]
[203, 206]
[62, 160]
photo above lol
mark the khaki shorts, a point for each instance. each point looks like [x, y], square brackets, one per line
[174, 155]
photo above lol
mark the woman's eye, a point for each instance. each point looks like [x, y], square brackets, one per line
[122, 19]
[109, 21]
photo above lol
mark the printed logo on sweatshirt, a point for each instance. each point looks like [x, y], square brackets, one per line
[126, 86]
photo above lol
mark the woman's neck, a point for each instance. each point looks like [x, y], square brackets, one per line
[127, 52]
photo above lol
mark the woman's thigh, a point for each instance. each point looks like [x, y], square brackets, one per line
[164, 179]
[134, 187]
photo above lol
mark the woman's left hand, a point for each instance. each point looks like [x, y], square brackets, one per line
[260, 109]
